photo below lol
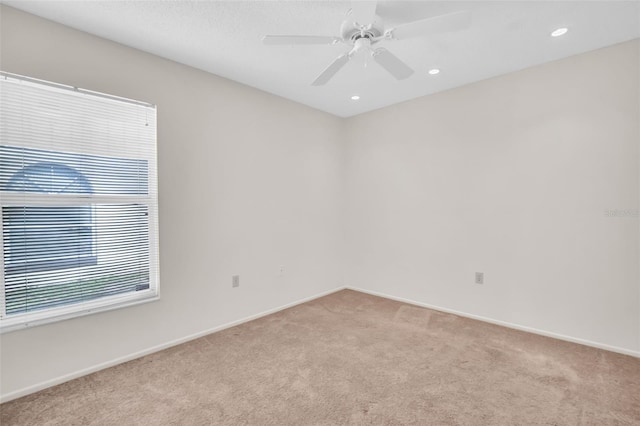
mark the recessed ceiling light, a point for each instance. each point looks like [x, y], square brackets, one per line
[434, 71]
[355, 97]
[559, 32]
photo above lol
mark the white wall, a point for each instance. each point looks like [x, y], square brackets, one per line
[511, 177]
[248, 182]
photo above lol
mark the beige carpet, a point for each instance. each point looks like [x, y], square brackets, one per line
[351, 358]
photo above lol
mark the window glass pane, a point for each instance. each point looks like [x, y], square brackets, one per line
[47, 238]
[119, 264]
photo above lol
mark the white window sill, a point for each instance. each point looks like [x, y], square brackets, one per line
[33, 319]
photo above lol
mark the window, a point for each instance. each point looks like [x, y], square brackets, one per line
[78, 199]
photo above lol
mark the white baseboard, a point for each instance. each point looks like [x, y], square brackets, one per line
[606, 347]
[67, 377]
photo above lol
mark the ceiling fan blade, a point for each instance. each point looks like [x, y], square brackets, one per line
[363, 11]
[298, 39]
[391, 63]
[331, 70]
[438, 24]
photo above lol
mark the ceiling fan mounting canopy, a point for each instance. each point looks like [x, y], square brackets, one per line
[362, 29]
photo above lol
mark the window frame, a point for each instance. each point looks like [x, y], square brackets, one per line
[150, 200]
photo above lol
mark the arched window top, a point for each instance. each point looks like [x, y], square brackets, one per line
[49, 178]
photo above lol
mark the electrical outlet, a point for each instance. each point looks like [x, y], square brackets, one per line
[479, 277]
[235, 281]
[281, 270]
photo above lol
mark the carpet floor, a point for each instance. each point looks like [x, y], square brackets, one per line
[351, 359]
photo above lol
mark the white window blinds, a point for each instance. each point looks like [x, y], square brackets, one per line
[78, 193]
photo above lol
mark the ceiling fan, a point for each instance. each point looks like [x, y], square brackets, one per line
[362, 30]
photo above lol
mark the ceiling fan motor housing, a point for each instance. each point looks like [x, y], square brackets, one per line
[350, 32]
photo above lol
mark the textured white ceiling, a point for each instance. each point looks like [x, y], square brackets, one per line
[224, 38]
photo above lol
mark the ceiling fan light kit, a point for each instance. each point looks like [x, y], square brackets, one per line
[362, 30]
